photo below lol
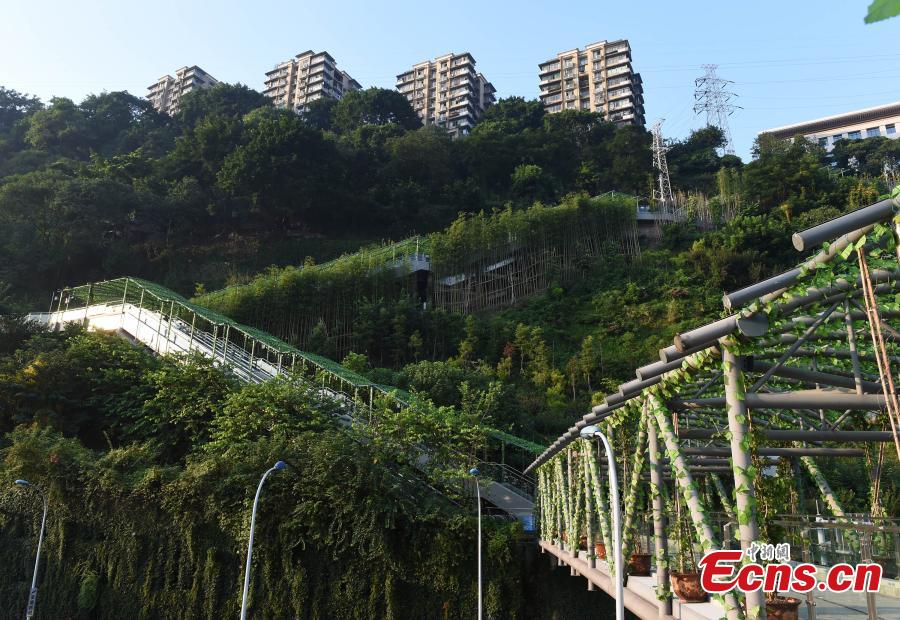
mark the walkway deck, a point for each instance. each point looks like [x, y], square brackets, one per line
[640, 593]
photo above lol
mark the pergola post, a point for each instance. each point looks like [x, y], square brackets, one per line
[637, 466]
[663, 591]
[724, 496]
[599, 500]
[588, 507]
[745, 498]
[824, 487]
[563, 502]
[689, 493]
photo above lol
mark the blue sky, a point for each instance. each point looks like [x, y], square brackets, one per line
[791, 60]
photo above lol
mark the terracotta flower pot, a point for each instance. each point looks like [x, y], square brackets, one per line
[600, 550]
[582, 543]
[783, 608]
[639, 565]
[687, 587]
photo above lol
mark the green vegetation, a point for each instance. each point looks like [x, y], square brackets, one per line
[151, 463]
[109, 187]
[368, 302]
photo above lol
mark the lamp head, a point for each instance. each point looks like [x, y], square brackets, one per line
[474, 471]
[279, 466]
[23, 483]
[589, 431]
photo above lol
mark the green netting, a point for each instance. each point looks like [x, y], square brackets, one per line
[530, 446]
[371, 258]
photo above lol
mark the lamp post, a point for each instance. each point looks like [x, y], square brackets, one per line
[32, 595]
[276, 467]
[474, 472]
[589, 432]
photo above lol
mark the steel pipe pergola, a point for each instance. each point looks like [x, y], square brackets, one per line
[800, 361]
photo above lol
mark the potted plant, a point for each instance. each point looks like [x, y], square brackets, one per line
[782, 607]
[639, 564]
[686, 580]
[600, 550]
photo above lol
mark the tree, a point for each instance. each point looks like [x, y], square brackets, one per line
[694, 162]
[282, 170]
[511, 115]
[62, 127]
[319, 114]
[14, 106]
[786, 171]
[374, 106]
[530, 183]
[119, 122]
[228, 100]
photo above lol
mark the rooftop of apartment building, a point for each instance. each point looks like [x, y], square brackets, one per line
[459, 59]
[827, 123]
[182, 73]
[626, 46]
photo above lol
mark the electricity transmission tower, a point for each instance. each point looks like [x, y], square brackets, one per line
[711, 96]
[663, 192]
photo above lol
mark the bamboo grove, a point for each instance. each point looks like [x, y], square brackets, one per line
[482, 261]
[739, 415]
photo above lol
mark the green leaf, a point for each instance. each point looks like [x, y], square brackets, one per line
[882, 9]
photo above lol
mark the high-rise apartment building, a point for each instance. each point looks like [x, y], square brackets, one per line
[447, 92]
[598, 78]
[166, 94]
[306, 77]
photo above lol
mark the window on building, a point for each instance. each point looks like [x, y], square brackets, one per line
[836, 138]
[854, 135]
[890, 129]
[823, 142]
[873, 132]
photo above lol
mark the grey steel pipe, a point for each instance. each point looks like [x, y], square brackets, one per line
[782, 452]
[657, 369]
[814, 376]
[845, 224]
[804, 399]
[795, 435]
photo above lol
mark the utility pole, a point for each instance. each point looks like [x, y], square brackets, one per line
[711, 97]
[662, 194]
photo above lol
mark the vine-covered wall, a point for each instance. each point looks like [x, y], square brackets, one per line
[336, 536]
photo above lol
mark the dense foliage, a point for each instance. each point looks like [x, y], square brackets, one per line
[231, 185]
[150, 465]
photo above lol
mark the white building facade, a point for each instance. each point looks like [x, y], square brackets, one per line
[447, 92]
[305, 78]
[166, 93]
[826, 132]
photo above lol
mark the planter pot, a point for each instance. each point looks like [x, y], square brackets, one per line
[787, 608]
[600, 550]
[687, 587]
[639, 566]
[582, 543]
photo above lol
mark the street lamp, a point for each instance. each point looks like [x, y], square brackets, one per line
[589, 432]
[474, 472]
[276, 467]
[32, 595]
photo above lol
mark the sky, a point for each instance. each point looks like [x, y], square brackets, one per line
[789, 61]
